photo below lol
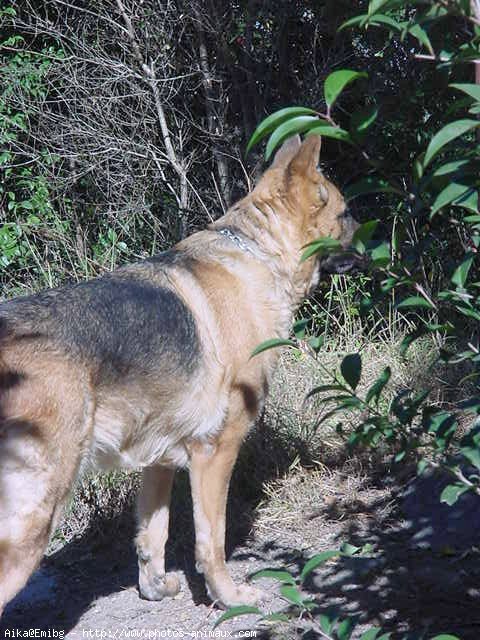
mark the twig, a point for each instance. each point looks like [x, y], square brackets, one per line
[150, 76]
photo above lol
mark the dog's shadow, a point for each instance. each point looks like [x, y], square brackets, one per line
[102, 561]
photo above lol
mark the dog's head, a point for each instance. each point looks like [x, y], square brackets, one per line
[309, 206]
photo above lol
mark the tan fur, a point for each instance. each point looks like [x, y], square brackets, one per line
[60, 417]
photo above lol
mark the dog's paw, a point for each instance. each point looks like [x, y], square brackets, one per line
[159, 586]
[243, 594]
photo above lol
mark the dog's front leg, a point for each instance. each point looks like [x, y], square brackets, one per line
[210, 470]
[153, 515]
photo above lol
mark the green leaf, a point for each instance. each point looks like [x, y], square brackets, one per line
[473, 219]
[271, 344]
[378, 386]
[421, 35]
[452, 492]
[349, 550]
[450, 167]
[472, 90]
[380, 254]
[273, 121]
[362, 120]
[320, 246]
[322, 388]
[443, 636]
[370, 184]
[417, 168]
[367, 550]
[422, 466]
[336, 82]
[448, 133]
[299, 124]
[461, 272]
[414, 301]
[275, 617]
[326, 416]
[275, 574]
[326, 624]
[352, 22]
[316, 561]
[363, 235]
[456, 194]
[292, 594]
[469, 200]
[316, 342]
[375, 5]
[328, 131]
[472, 454]
[371, 634]
[377, 20]
[351, 369]
[380, 19]
[299, 328]
[234, 612]
[345, 629]
[442, 425]
[347, 402]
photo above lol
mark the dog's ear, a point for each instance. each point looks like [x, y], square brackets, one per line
[307, 157]
[287, 151]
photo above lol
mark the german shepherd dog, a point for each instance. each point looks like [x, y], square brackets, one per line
[150, 367]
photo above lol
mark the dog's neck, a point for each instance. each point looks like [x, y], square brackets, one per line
[258, 230]
[238, 239]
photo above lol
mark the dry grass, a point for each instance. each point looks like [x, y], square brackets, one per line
[96, 506]
[288, 412]
[320, 465]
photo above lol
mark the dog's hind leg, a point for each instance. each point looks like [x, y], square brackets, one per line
[153, 517]
[43, 431]
[211, 467]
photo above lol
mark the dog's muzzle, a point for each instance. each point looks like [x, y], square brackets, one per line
[347, 262]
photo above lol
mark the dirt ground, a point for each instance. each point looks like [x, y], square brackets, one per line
[422, 577]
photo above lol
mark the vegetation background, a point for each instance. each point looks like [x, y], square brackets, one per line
[123, 128]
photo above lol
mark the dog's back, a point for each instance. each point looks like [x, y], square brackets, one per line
[120, 324]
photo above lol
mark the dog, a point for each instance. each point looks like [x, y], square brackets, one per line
[149, 367]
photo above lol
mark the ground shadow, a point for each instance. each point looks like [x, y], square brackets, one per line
[423, 577]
